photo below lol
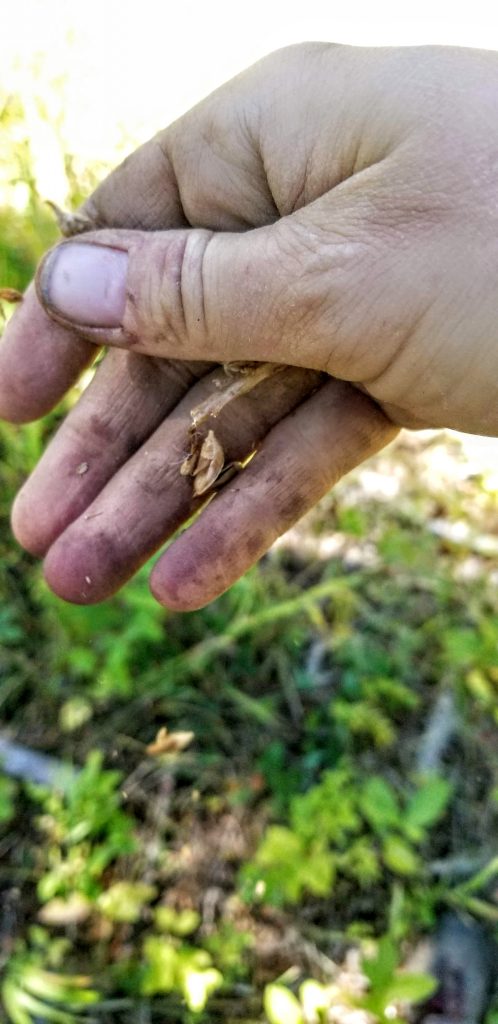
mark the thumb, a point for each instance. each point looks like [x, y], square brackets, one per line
[290, 292]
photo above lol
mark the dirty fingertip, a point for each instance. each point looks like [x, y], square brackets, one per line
[178, 586]
[72, 574]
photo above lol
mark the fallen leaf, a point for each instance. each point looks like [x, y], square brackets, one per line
[169, 742]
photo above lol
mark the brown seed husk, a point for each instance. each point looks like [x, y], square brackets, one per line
[10, 295]
[71, 224]
[210, 464]
[188, 465]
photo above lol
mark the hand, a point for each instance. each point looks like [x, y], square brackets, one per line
[369, 176]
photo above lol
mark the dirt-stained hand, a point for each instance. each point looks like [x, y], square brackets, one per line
[333, 208]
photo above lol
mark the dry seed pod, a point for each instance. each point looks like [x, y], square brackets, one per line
[187, 467]
[70, 223]
[210, 464]
[232, 369]
[10, 295]
[210, 453]
[189, 464]
[205, 461]
[207, 464]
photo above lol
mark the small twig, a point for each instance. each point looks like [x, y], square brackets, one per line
[247, 378]
[438, 733]
[71, 224]
[318, 652]
[458, 866]
[478, 881]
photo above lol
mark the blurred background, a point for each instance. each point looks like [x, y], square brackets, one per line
[99, 77]
[326, 795]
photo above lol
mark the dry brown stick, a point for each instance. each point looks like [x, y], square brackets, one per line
[248, 376]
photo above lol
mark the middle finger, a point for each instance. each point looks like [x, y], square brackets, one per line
[125, 402]
[148, 498]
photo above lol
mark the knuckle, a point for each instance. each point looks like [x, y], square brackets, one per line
[318, 267]
[166, 304]
[192, 296]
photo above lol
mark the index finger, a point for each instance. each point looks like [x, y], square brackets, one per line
[39, 362]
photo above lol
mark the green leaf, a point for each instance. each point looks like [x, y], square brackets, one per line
[461, 647]
[125, 901]
[380, 968]
[277, 865]
[281, 1006]
[317, 870]
[35, 1008]
[379, 804]
[315, 999]
[362, 718]
[74, 713]
[198, 985]
[161, 966]
[351, 519]
[70, 991]
[10, 998]
[428, 804]
[411, 988]
[328, 810]
[361, 861]
[285, 864]
[400, 857]
[176, 922]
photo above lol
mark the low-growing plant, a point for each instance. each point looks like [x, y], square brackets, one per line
[36, 988]
[322, 749]
[377, 986]
[346, 825]
[85, 830]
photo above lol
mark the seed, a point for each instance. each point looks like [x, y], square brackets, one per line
[10, 295]
[70, 223]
